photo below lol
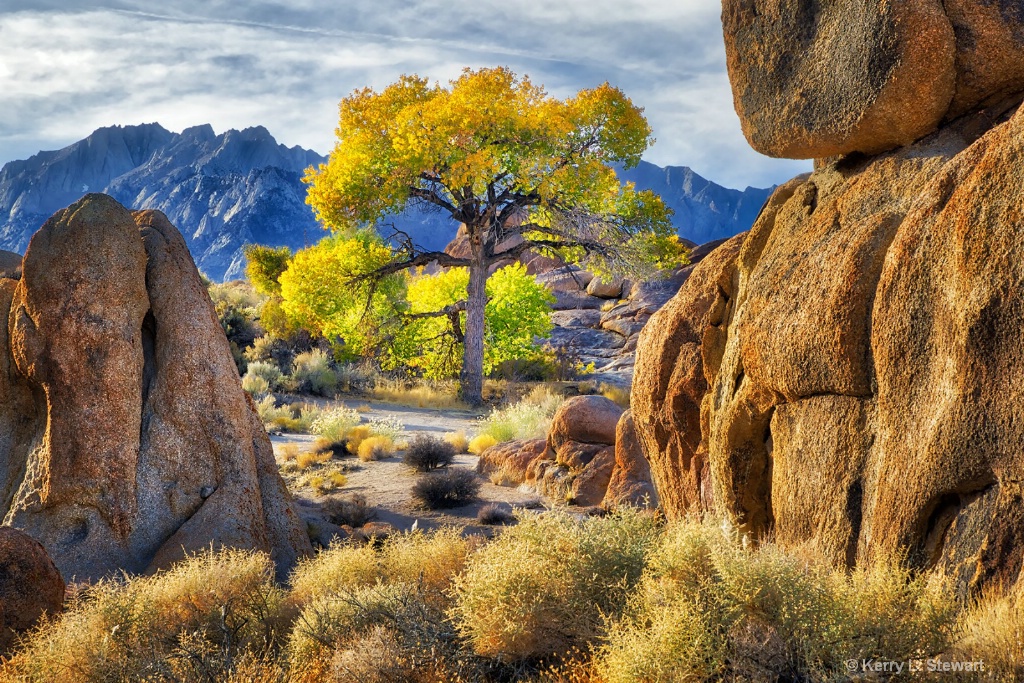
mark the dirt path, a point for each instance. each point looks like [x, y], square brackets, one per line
[386, 484]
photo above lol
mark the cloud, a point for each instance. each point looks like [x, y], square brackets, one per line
[69, 67]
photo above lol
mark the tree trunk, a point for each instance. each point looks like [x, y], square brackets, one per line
[472, 375]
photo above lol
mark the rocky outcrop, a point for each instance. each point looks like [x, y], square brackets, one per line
[844, 375]
[512, 459]
[630, 482]
[814, 80]
[586, 419]
[130, 441]
[678, 355]
[30, 585]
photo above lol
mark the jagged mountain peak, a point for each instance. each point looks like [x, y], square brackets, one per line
[225, 190]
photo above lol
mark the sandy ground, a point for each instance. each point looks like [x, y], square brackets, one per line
[386, 484]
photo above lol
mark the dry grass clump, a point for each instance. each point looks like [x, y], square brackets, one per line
[437, 395]
[376, 448]
[991, 630]
[199, 621]
[426, 453]
[527, 419]
[481, 443]
[327, 482]
[355, 438]
[458, 441]
[494, 514]
[334, 448]
[543, 586]
[449, 489]
[709, 609]
[615, 393]
[505, 476]
[379, 615]
[308, 459]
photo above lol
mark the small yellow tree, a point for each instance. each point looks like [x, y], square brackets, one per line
[499, 155]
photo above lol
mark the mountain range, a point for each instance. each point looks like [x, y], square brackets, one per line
[224, 191]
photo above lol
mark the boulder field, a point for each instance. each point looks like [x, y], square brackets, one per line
[126, 440]
[846, 374]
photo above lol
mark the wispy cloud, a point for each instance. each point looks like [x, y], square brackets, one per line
[69, 67]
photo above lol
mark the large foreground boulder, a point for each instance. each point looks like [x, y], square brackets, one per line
[129, 441]
[847, 376]
[813, 79]
[30, 584]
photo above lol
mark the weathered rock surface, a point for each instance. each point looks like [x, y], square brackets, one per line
[670, 380]
[845, 374]
[29, 584]
[590, 483]
[813, 80]
[512, 458]
[131, 441]
[630, 482]
[589, 419]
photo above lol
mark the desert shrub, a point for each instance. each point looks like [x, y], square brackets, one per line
[335, 423]
[542, 587]
[266, 371]
[356, 376]
[426, 453]
[450, 489]
[333, 448]
[194, 622]
[324, 483]
[269, 412]
[389, 427]
[458, 441]
[349, 510]
[710, 609]
[376, 448]
[312, 373]
[255, 385]
[480, 443]
[494, 514]
[527, 419]
[356, 436]
[385, 633]
[992, 631]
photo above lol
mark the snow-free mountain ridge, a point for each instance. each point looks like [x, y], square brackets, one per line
[224, 191]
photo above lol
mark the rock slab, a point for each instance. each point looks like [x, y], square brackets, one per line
[133, 442]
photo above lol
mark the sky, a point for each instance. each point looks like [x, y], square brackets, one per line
[68, 67]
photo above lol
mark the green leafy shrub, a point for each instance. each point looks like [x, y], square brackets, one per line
[544, 586]
[426, 453]
[255, 385]
[449, 489]
[312, 373]
[268, 372]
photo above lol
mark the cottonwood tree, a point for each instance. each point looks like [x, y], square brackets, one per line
[519, 168]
